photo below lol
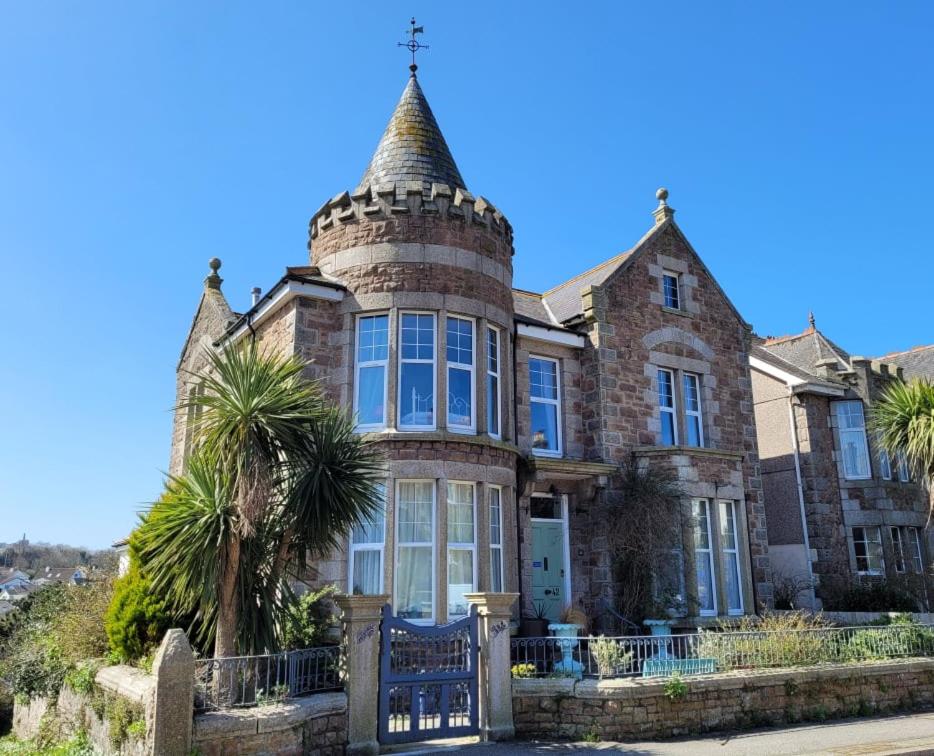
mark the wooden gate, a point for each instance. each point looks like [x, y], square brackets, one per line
[427, 679]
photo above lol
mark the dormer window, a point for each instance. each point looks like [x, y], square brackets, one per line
[671, 290]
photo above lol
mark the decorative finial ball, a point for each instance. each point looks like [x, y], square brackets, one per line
[214, 264]
[661, 194]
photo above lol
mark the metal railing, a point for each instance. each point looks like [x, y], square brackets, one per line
[713, 651]
[245, 681]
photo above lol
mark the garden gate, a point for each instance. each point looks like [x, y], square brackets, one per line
[427, 679]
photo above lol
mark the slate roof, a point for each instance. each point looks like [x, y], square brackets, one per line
[565, 299]
[529, 307]
[808, 376]
[917, 362]
[806, 349]
[412, 147]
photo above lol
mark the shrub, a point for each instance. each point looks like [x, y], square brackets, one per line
[870, 597]
[609, 655]
[136, 619]
[308, 621]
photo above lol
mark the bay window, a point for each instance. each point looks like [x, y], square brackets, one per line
[460, 349]
[493, 411]
[898, 549]
[703, 558]
[867, 548]
[496, 539]
[414, 570]
[666, 407]
[462, 546]
[914, 550]
[371, 371]
[545, 406]
[694, 425]
[851, 426]
[366, 552]
[729, 543]
[417, 371]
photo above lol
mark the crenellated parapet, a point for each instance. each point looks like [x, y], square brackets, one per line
[441, 206]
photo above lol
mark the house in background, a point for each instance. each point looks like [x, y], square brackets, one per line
[69, 575]
[915, 363]
[839, 509]
[10, 577]
[503, 415]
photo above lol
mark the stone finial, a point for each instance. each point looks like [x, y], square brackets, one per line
[811, 320]
[214, 281]
[663, 212]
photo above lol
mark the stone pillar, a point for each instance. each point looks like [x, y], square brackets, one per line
[360, 618]
[495, 673]
[173, 695]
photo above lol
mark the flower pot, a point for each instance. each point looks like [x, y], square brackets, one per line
[567, 642]
[660, 628]
[534, 627]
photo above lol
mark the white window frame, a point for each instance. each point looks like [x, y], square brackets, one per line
[732, 553]
[885, 465]
[369, 546]
[496, 549]
[359, 365]
[565, 526]
[898, 549]
[677, 279]
[711, 562]
[559, 421]
[461, 545]
[673, 409]
[414, 361]
[470, 368]
[434, 548]
[865, 531]
[914, 545]
[497, 374]
[698, 413]
[904, 473]
[853, 474]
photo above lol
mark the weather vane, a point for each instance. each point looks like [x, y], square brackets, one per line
[413, 44]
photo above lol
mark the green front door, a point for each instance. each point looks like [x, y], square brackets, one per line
[548, 567]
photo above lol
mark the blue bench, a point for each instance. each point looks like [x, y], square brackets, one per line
[669, 667]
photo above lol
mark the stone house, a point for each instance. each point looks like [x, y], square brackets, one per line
[504, 415]
[839, 510]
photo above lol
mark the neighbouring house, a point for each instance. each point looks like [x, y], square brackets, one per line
[122, 549]
[70, 575]
[18, 593]
[915, 363]
[10, 577]
[839, 509]
[504, 415]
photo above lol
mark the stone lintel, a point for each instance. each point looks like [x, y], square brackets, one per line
[356, 608]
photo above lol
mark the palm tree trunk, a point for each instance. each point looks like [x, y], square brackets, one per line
[225, 641]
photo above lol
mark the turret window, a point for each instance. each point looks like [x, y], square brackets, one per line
[460, 358]
[371, 363]
[417, 371]
[493, 410]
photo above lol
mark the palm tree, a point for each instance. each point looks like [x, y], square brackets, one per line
[276, 473]
[903, 420]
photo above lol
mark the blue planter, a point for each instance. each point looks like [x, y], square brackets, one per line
[660, 628]
[568, 665]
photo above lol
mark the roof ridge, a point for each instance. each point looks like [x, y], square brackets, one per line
[918, 348]
[769, 340]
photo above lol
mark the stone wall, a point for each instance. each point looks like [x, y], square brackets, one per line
[314, 726]
[639, 708]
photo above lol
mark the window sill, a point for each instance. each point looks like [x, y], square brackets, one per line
[697, 451]
[673, 311]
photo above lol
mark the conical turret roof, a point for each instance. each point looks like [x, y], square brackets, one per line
[412, 147]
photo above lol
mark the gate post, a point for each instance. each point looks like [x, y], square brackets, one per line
[495, 682]
[360, 616]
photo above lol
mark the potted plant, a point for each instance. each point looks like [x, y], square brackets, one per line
[571, 621]
[536, 626]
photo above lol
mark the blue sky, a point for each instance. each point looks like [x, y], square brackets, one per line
[137, 140]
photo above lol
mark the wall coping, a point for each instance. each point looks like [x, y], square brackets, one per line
[640, 687]
[262, 719]
[126, 681]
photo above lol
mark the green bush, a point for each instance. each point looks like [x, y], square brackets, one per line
[870, 597]
[308, 621]
[136, 619]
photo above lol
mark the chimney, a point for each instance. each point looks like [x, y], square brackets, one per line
[254, 293]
